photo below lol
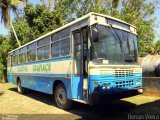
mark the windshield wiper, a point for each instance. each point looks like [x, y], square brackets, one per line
[121, 43]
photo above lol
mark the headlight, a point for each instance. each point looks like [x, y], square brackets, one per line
[138, 82]
[104, 86]
[108, 86]
[96, 86]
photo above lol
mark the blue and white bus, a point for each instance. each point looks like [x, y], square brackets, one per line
[90, 60]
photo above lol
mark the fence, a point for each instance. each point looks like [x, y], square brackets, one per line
[151, 86]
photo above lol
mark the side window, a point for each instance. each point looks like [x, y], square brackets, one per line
[31, 54]
[64, 33]
[55, 37]
[60, 43]
[55, 49]
[22, 58]
[15, 57]
[65, 47]
[77, 45]
[44, 41]
[22, 55]
[60, 48]
[77, 52]
[43, 50]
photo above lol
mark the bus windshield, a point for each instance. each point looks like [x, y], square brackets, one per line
[113, 46]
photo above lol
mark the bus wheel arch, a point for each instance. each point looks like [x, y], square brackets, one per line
[60, 95]
[56, 82]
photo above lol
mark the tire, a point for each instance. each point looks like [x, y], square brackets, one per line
[60, 96]
[20, 89]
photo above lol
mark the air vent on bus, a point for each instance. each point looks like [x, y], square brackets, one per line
[123, 73]
[123, 84]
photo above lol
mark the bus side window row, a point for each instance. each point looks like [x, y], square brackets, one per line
[42, 51]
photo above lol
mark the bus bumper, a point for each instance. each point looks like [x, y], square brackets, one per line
[96, 98]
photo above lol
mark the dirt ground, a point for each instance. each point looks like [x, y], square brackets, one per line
[35, 105]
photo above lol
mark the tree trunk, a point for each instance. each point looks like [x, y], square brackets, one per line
[15, 33]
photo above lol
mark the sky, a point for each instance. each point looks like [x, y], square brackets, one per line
[4, 31]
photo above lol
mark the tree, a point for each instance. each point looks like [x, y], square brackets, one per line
[139, 13]
[157, 47]
[6, 6]
[136, 12]
[4, 48]
[37, 20]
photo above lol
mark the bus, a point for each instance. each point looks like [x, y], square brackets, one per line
[91, 60]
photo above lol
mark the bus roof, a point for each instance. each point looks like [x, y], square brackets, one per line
[71, 23]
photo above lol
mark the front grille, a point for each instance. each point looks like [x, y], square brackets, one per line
[123, 73]
[123, 84]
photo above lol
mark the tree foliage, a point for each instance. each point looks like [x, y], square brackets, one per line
[40, 19]
[44, 17]
[4, 48]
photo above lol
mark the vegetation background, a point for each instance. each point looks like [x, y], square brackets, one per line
[32, 21]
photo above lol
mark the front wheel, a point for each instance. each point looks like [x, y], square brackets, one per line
[60, 96]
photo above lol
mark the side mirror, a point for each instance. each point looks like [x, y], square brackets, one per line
[94, 34]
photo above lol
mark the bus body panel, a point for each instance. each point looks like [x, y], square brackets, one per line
[42, 75]
[77, 87]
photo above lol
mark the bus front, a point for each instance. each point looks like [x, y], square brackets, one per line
[114, 72]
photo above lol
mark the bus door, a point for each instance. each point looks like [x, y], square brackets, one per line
[80, 76]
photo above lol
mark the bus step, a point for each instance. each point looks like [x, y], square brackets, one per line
[85, 92]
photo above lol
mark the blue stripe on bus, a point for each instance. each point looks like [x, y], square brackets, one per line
[45, 61]
[40, 74]
[75, 83]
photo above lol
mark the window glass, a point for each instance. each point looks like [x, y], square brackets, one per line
[123, 25]
[16, 52]
[31, 55]
[32, 46]
[22, 58]
[43, 52]
[55, 37]
[46, 52]
[44, 41]
[77, 46]
[65, 47]
[85, 38]
[77, 53]
[15, 60]
[64, 33]
[55, 49]
[22, 50]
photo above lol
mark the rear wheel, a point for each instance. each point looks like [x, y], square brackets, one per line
[20, 89]
[60, 96]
